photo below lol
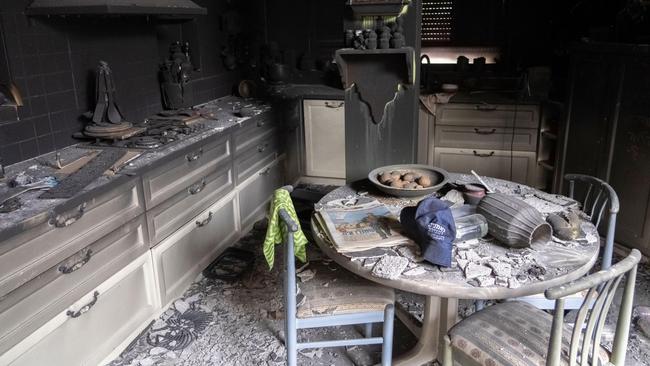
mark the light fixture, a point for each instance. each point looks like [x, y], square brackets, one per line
[10, 95]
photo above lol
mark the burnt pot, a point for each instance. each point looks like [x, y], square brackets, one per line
[514, 222]
[278, 72]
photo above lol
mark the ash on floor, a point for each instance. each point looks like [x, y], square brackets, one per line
[220, 322]
[240, 322]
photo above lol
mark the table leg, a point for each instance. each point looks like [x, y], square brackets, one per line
[439, 315]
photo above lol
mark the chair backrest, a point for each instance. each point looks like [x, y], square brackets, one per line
[289, 270]
[590, 320]
[597, 198]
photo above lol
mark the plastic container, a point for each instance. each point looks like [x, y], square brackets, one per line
[470, 227]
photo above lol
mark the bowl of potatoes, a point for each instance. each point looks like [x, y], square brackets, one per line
[408, 180]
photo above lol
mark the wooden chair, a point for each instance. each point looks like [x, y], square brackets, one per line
[347, 301]
[517, 333]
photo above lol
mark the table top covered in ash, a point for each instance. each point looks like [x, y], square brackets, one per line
[482, 269]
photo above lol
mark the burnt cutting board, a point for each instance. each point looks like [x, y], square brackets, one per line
[77, 181]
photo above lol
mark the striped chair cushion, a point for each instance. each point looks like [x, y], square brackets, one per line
[334, 290]
[512, 333]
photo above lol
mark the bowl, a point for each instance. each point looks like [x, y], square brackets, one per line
[439, 177]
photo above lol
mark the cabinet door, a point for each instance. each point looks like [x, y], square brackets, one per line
[593, 92]
[630, 176]
[324, 138]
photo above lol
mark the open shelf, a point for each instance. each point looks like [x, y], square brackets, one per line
[352, 61]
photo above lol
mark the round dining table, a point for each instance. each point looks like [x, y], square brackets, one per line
[561, 261]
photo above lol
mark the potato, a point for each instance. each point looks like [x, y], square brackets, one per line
[397, 183]
[385, 177]
[408, 177]
[419, 187]
[396, 176]
[411, 185]
[424, 181]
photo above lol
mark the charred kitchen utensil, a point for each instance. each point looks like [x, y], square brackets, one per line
[17, 191]
[489, 190]
[106, 110]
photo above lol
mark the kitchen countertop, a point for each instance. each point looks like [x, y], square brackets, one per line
[34, 211]
[305, 91]
[489, 97]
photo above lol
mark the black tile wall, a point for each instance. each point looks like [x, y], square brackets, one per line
[53, 62]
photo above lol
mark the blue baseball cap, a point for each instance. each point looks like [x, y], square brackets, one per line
[432, 226]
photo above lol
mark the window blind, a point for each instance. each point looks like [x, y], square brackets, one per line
[437, 16]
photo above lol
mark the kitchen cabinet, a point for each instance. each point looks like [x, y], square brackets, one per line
[183, 255]
[518, 166]
[176, 175]
[137, 245]
[27, 308]
[607, 130]
[31, 252]
[168, 216]
[255, 194]
[96, 324]
[324, 128]
[496, 140]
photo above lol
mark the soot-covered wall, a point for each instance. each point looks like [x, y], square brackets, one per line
[53, 61]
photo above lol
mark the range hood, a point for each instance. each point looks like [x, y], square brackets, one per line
[116, 7]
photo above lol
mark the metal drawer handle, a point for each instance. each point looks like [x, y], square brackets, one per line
[64, 220]
[266, 171]
[260, 123]
[194, 156]
[482, 132]
[262, 147]
[197, 187]
[483, 155]
[486, 107]
[204, 222]
[76, 265]
[84, 309]
[328, 105]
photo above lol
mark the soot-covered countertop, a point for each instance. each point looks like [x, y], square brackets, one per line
[34, 211]
[305, 91]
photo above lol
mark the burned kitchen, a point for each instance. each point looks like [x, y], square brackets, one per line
[327, 183]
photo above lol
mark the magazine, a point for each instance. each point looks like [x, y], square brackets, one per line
[361, 227]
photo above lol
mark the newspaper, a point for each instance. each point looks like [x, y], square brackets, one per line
[361, 226]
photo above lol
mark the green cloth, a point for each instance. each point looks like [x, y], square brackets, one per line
[276, 231]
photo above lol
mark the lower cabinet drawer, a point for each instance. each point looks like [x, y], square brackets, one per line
[256, 158]
[257, 192]
[184, 254]
[489, 115]
[25, 309]
[491, 163]
[36, 248]
[170, 215]
[496, 138]
[95, 325]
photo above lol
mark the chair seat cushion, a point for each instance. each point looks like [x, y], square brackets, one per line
[333, 290]
[512, 333]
